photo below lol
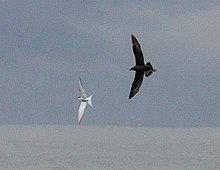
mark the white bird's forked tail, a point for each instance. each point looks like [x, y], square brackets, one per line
[90, 100]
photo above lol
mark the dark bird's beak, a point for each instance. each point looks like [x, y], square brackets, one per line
[131, 68]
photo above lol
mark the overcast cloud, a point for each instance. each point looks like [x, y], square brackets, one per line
[47, 45]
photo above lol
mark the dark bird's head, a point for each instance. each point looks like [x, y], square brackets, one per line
[133, 68]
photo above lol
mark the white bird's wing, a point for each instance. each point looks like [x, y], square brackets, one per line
[81, 89]
[81, 111]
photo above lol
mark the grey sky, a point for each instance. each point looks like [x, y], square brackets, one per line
[47, 45]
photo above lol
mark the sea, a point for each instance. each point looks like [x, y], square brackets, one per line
[67, 147]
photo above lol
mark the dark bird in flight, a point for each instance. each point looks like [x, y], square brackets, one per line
[140, 68]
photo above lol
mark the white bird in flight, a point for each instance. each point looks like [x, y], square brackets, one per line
[83, 101]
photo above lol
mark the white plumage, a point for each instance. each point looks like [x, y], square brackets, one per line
[83, 101]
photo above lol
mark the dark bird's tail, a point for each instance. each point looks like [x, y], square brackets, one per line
[150, 66]
[151, 69]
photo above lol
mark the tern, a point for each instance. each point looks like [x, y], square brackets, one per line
[140, 68]
[83, 101]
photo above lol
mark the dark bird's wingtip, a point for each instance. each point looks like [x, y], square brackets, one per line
[132, 36]
[130, 96]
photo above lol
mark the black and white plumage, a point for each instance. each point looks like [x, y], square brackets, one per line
[140, 68]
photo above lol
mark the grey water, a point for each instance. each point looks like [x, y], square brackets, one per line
[91, 148]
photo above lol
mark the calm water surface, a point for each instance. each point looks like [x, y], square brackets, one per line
[88, 148]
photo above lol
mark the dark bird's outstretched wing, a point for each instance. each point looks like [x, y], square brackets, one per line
[136, 83]
[137, 51]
